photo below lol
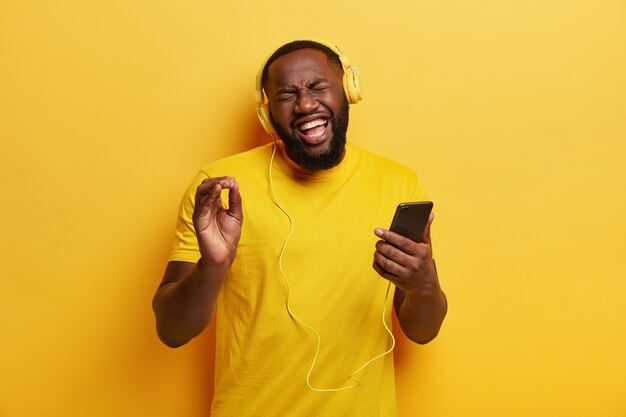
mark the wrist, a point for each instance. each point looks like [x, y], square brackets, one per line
[206, 270]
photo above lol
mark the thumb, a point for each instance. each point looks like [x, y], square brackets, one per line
[234, 202]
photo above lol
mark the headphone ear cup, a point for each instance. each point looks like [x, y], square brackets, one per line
[352, 85]
[263, 112]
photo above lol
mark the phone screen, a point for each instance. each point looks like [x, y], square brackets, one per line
[411, 218]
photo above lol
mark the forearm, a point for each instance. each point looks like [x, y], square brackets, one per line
[184, 308]
[421, 315]
[422, 311]
[419, 302]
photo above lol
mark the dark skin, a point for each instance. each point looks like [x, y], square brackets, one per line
[419, 301]
[302, 88]
[185, 301]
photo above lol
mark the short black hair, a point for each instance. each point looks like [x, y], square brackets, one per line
[331, 55]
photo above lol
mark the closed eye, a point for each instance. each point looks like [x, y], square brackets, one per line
[319, 85]
[320, 88]
[285, 94]
[289, 93]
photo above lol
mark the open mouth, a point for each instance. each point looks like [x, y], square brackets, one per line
[314, 132]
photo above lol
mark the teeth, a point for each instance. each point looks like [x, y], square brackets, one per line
[312, 124]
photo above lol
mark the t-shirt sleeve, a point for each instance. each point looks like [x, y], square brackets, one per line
[185, 245]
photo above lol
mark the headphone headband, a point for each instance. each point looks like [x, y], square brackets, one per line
[350, 80]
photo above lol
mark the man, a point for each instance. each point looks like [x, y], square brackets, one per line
[287, 265]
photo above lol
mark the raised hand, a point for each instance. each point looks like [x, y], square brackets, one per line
[218, 230]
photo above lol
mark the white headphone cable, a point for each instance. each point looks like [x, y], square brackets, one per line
[297, 319]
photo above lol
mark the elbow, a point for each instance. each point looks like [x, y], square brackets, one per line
[422, 333]
[428, 330]
[169, 340]
[175, 327]
[421, 338]
[168, 334]
[166, 330]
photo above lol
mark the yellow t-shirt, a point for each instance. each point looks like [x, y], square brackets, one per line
[263, 355]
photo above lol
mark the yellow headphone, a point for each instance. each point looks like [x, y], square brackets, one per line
[350, 80]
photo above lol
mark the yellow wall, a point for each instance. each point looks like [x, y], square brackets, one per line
[513, 112]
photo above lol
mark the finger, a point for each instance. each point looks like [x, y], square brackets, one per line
[225, 183]
[217, 179]
[394, 254]
[207, 186]
[208, 201]
[389, 265]
[388, 276]
[234, 202]
[403, 243]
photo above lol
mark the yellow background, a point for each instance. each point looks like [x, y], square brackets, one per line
[512, 111]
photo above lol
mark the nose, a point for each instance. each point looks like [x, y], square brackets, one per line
[305, 103]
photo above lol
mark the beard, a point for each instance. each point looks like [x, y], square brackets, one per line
[308, 161]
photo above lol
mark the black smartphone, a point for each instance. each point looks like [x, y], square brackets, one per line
[411, 218]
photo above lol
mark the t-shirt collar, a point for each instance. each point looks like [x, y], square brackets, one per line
[286, 165]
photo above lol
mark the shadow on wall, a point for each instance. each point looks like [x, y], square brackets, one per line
[257, 136]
